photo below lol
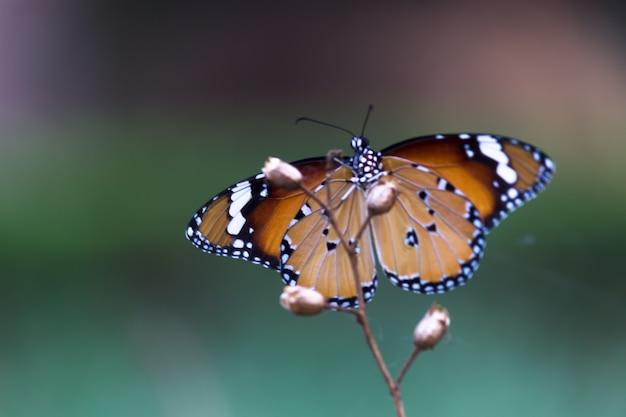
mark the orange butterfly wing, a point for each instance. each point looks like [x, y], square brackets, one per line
[432, 238]
[466, 184]
[248, 220]
[496, 173]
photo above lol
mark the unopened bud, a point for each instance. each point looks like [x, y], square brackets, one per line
[281, 174]
[381, 196]
[302, 301]
[431, 328]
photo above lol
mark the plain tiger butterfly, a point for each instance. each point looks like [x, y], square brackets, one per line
[453, 189]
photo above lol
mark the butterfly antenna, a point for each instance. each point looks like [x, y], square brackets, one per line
[367, 117]
[319, 122]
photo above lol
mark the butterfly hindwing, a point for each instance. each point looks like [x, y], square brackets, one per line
[312, 254]
[431, 240]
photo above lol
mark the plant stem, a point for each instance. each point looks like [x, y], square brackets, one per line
[407, 365]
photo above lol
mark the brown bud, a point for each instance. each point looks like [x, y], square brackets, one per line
[431, 328]
[302, 301]
[281, 174]
[381, 196]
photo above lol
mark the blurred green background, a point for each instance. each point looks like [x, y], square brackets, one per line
[119, 119]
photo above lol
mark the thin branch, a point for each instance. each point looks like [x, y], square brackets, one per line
[407, 365]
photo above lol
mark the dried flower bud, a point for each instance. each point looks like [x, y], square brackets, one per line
[381, 196]
[431, 327]
[281, 174]
[302, 301]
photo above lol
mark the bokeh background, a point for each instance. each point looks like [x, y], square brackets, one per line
[119, 119]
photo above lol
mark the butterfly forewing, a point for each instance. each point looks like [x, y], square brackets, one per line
[431, 240]
[248, 220]
[496, 173]
[312, 254]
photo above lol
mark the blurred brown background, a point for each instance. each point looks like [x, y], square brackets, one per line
[119, 119]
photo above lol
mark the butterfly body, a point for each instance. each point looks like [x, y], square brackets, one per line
[452, 189]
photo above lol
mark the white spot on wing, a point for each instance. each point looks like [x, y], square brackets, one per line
[239, 199]
[236, 224]
[240, 186]
[507, 173]
[490, 147]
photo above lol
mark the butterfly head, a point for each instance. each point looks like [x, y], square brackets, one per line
[366, 164]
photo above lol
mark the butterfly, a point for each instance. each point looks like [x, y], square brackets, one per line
[452, 190]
